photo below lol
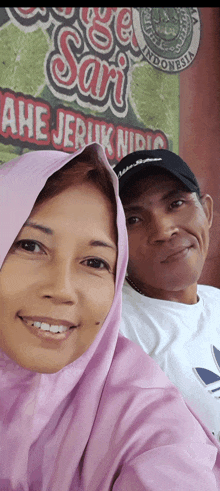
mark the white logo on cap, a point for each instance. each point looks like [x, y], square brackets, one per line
[138, 162]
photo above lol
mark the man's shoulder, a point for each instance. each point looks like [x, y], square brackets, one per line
[129, 294]
[209, 293]
[132, 301]
[204, 291]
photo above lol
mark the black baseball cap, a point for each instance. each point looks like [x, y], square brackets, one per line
[140, 160]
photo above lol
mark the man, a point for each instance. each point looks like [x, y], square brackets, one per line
[174, 319]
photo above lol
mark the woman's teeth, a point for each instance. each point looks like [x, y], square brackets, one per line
[47, 327]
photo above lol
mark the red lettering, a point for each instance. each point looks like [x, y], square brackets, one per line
[159, 140]
[8, 115]
[95, 76]
[42, 127]
[64, 65]
[26, 120]
[63, 136]
[128, 140]
[65, 11]
[121, 142]
[68, 141]
[99, 34]
[119, 86]
[124, 27]
[57, 135]
[89, 75]
[27, 11]
[75, 131]
[107, 133]
[30, 12]
[108, 74]
[80, 133]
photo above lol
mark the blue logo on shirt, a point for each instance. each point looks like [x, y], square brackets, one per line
[207, 377]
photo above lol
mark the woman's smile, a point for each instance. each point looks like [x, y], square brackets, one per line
[57, 281]
[47, 328]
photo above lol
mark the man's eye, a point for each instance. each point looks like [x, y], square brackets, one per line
[96, 263]
[132, 220]
[177, 203]
[28, 246]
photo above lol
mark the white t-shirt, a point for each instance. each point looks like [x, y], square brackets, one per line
[185, 342]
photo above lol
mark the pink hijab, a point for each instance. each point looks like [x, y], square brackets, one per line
[110, 420]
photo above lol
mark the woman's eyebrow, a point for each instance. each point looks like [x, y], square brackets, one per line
[46, 230]
[49, 231]
[100, 243]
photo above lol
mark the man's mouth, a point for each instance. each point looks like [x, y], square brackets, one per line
[48, 325]
[177, 254]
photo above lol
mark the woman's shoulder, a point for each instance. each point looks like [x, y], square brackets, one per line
[141, 414]
[132, 366]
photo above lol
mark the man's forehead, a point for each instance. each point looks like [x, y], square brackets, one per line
[149, 184]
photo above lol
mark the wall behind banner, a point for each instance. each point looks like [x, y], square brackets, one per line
[199, 140]
[128, 78]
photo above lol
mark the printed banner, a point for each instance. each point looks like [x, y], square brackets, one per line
[73, 75]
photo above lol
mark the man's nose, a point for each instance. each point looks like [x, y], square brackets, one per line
[161, 228]
[60, 283]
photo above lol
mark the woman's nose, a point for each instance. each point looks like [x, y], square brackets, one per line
[161, 228]
[60, 284]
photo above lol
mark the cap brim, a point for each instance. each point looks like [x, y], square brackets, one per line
[145, 167]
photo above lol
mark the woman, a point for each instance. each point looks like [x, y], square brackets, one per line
[81, 407]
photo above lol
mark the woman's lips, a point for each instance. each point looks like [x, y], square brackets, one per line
[177, 254]
[48, 328]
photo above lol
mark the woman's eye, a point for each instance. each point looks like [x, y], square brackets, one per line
[29, 246]
[96, 264]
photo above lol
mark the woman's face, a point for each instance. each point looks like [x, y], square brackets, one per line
[58, 276]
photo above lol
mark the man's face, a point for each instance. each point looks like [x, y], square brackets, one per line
[168, 231]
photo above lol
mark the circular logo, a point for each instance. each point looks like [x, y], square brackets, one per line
[167, 36]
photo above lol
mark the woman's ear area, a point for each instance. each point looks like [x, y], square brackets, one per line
[207, 204]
